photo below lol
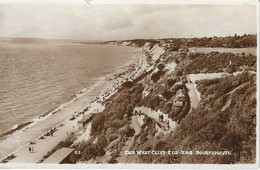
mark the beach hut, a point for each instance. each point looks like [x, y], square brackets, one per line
[59, 157]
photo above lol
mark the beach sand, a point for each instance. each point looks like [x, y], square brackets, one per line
[42, 146]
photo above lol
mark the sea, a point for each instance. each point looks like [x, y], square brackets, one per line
[35, 79]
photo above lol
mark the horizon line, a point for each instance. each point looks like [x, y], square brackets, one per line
[78, 40]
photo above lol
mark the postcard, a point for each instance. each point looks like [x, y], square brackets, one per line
[129, 84]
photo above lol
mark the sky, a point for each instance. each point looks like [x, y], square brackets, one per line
[119, 21]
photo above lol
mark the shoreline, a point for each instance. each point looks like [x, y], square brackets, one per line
[111, 83]
[57, 104]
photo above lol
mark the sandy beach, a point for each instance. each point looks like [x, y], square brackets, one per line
[92, 99]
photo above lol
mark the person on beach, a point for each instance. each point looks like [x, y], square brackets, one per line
[52, 131]
[30, 149]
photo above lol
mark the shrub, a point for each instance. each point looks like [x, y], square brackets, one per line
[171, 81]
[168, 106]
[128, 84]
[167, 94]
[130, 132]
[175, 49]
[179, 73]
[156, 76]
[155, 101]
[160, 66]
[230, 69]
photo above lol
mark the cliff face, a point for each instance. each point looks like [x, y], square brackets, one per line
[179, 101]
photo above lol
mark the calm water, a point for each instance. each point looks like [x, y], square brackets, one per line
[35, 79]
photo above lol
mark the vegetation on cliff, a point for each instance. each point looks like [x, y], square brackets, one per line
[225, 119]
[217, 62]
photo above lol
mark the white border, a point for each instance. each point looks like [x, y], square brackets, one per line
[151, 166]
[186, 2]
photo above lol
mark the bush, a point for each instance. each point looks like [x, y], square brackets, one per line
[160, 66]
[167, 94]
[168, 106]
[171, 81]
[128, 84]
[179, 73]
[156, 76]
[130, 132]
[151, 100]
[230, 69]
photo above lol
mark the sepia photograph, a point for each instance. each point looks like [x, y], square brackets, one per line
[142, 84]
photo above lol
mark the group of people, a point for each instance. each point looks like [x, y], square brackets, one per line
[138, 112]
[51, 132]
[161, 117]
[166, 121]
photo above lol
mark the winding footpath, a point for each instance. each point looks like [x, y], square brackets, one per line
[123, 158]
